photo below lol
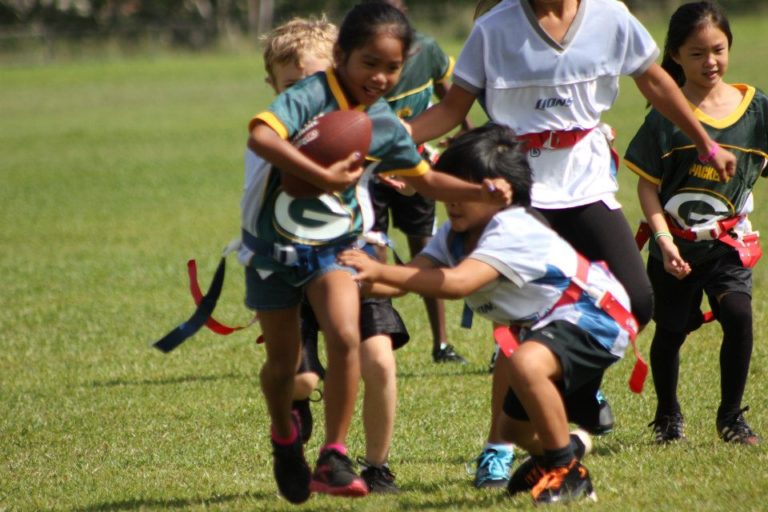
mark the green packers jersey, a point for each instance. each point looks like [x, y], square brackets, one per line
[268, 213]
[690, 192]
[426, 65]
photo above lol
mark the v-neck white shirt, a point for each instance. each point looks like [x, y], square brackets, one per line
[531, 83]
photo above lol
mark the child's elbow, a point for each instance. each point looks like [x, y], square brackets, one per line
[453, 291]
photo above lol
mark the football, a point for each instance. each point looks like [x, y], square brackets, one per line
[326, 139]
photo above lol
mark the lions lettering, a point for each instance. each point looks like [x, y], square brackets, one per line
[546, 103]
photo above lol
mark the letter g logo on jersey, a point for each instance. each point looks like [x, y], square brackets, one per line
[311, 220]
[696, 209]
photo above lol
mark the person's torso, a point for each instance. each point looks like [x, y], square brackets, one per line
[690, 192]
[533, 84]
[535, 266]
[271, 214]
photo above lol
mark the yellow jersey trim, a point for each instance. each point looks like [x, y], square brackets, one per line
[748, 92]
[410, 92]
[449, 71]
[632, 167]
[270, 120]
[420, 170]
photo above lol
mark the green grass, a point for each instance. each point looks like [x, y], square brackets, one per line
[115, 172]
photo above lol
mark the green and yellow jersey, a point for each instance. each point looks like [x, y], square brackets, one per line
[690, 192]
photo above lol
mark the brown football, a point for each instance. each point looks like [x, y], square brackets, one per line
[326, 139]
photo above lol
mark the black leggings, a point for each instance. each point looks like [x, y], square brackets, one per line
[734, 311]
[600, 233]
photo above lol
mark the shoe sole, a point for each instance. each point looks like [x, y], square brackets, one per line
[492, 484]
[356, 489]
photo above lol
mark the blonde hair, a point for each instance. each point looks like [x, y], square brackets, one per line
[483, 6]
[292, 40]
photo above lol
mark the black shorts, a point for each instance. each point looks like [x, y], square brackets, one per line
[583, 361]
[678, 302]
[413, 215]
[377, 316]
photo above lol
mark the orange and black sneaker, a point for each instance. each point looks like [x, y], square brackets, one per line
[529, 472]
[564, 484]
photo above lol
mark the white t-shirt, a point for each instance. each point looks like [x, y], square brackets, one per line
[536, 265]
[531, 83]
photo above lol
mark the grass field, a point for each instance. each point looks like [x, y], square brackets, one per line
[113, 173]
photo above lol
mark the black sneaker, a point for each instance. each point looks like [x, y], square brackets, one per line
[736, 430]
[564, 484]
[334, 475]
[302, 410]
[525, 476]
[447, 354]
[292, 473]
[668, 428]
[604, 424]
[528, 473]
[379, 479]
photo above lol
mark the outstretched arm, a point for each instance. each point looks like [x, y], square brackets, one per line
[442, 283]
[445, 187]
[663, 93]
[441, 118]
[441, 90]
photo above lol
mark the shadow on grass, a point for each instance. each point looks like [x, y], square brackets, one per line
[181, 503]
[477, 499]
[166, 381]
[444, 371]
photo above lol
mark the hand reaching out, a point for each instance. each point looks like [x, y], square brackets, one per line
[497, 191]
[673, 262]
[368, 269]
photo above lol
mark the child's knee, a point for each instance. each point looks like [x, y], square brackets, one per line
[377, 370]
[278, 371]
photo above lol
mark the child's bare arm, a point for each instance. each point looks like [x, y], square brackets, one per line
[421, 277]
[663, 93]
[444, 187]
[265, 142]
[654, 214]
[441, 118]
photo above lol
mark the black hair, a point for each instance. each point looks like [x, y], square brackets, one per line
[490, 151]
[686, 20]
[367, 19]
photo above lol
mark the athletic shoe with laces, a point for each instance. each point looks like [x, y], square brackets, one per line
[447, 354]
[493, 467]
[335, 475]
[668, 428]
[528, 473]
[564, 484]
[304, 413]
[379, 479]
[736, 430]
[292, 473]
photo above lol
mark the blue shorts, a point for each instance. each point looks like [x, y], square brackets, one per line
[275, 292]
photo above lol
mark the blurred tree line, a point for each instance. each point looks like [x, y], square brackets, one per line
[198, 23]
